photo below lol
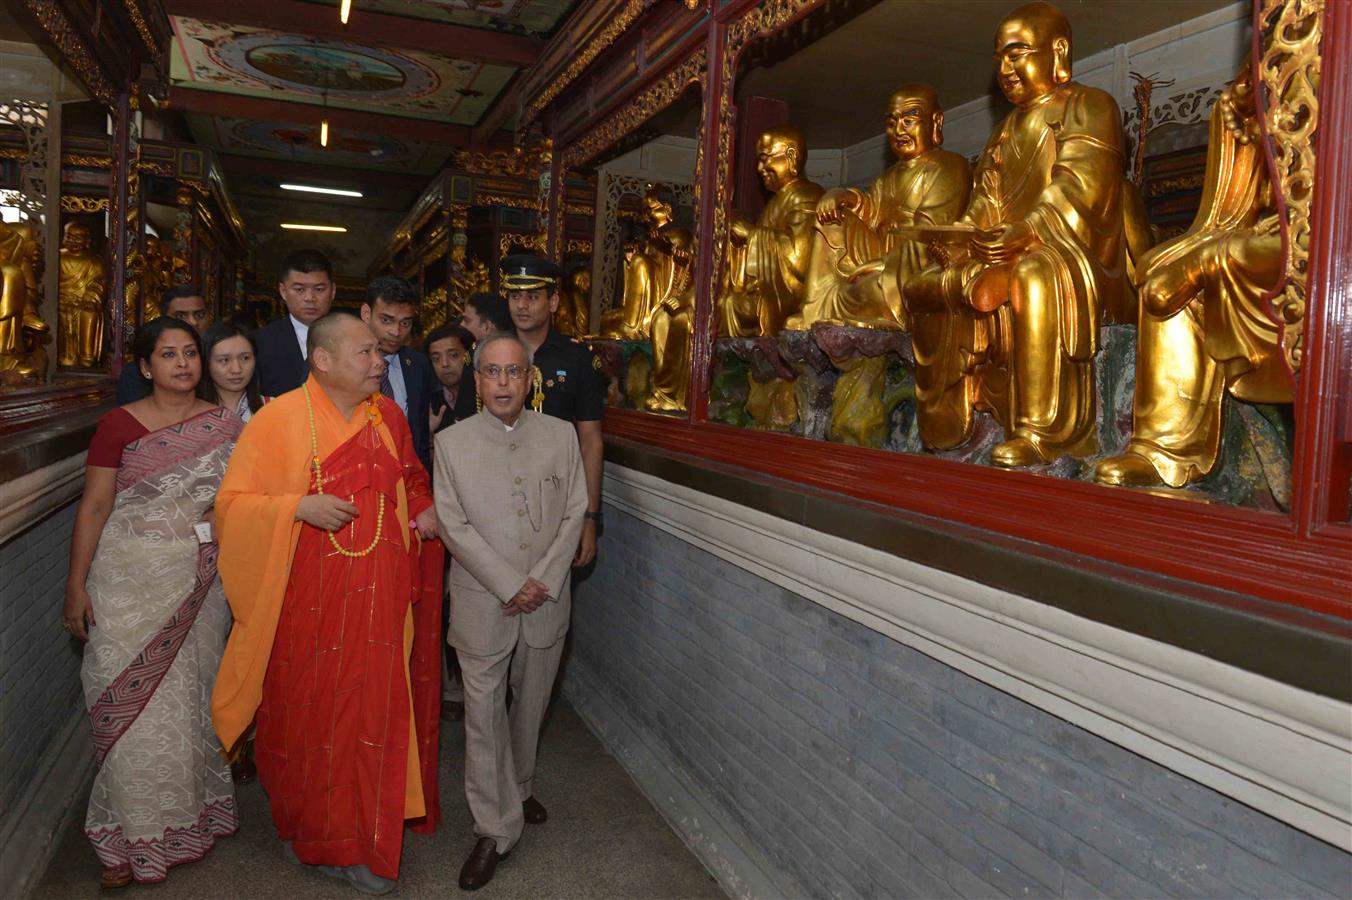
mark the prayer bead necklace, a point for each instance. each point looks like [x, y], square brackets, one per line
[319, 483]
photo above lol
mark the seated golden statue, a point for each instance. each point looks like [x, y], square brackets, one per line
[574, 302]
[1046, 258]
[84, 277]
[21, 324]
[767, 259]
[158, 276]
[858, 261]
[650, 272]
[1204, 326]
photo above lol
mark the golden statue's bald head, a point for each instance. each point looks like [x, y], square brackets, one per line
[916, 90]
[784, 136]
[1046, 20]
[1032, 50]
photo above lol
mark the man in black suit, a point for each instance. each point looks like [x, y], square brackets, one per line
[306, 286]
[390, 309]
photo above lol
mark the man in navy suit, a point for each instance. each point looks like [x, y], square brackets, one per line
[306, 285]
[391, 308]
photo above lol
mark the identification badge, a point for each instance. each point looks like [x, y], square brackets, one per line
[203, 530]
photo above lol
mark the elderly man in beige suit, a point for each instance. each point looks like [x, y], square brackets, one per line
[510, 492]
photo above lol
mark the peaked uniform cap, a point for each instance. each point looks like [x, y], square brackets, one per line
[528, 272]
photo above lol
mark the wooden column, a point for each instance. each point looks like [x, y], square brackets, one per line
[754, 115]
[119, 201]
[702, 346]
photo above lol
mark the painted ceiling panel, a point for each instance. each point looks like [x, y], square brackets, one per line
[522, 16]
[300, 143]
[257, 62]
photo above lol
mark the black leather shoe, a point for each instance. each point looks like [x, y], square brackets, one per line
[452, 710]
[482, 863]
[243, 770]
[534, 811]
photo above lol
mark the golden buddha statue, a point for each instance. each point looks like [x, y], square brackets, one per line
[1204, 326]
[1046, 258]
[21, 324]
[767, 259]
[158, 276]
[84, 277]
[858, 261]
[650, 271]
[574, 302]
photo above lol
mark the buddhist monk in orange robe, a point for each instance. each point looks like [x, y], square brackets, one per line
[319, 518]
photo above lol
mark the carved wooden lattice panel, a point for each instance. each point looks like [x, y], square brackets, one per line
[31, 120]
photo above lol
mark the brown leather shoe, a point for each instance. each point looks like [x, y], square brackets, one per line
[452, 710]
[482, 863]
[534, 811]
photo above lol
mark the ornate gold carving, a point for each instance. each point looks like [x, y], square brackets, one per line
[75, 204]
[153, 167]
[147, 38]
[72, 48]
[528, 241]
[13, 153]
[523, 161]
[1289, 71]
[579, 246]
[93, 162]
[637, 111]
[607, 36]
[505, 200]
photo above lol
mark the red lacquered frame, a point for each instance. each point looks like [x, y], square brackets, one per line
[1303, 558]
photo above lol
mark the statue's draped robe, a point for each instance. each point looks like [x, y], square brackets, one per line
[928, 190]
[650, 276]
[1057, 165]
[321, 644]
[80, 308]
[765, 276]
[1204, 323]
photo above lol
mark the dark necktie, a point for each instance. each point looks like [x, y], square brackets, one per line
[385, 387]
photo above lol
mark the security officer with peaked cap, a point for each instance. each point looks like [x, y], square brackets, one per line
[567, 382]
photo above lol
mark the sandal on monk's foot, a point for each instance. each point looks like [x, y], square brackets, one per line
[114, 877]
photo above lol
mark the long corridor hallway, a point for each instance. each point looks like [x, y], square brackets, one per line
[603, 840]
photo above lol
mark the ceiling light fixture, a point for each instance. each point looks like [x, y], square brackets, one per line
[297, 226]
[311, 189]
[323, 132]
[344, 10]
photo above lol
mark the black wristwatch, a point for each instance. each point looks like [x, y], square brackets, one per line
[593, 516]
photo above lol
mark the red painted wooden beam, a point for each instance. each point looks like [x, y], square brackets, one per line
[236, 106]
[366, 27]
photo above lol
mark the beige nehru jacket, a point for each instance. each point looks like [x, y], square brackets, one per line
[509, 506]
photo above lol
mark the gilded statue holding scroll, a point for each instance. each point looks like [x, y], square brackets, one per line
[1047, 254]
[84, 278]
[859, 261]
[21, 325]
[1205, 325]
[767, 259]
[651, 271]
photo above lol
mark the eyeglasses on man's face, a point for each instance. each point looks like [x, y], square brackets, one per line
[495, 371]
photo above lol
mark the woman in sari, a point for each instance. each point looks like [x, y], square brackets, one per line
[143, 591]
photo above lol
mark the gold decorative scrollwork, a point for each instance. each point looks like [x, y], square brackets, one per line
[505, 200]
[617, 25]
[522, 161]
[152, 167]
[93, 162]
[1289, 71]
[528, 241]
[147, 38]
[75, 204]
[637, 111]
[579, 246]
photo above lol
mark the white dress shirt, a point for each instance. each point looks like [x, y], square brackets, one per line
[302, 333]
[396, 370]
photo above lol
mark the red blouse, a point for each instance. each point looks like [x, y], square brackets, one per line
[115, 430]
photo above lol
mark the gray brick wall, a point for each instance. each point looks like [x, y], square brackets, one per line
[861, 767]
[39, 662]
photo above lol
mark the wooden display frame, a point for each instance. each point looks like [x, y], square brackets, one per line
[1302, 558]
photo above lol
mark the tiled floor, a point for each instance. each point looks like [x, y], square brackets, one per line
[603, 839]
